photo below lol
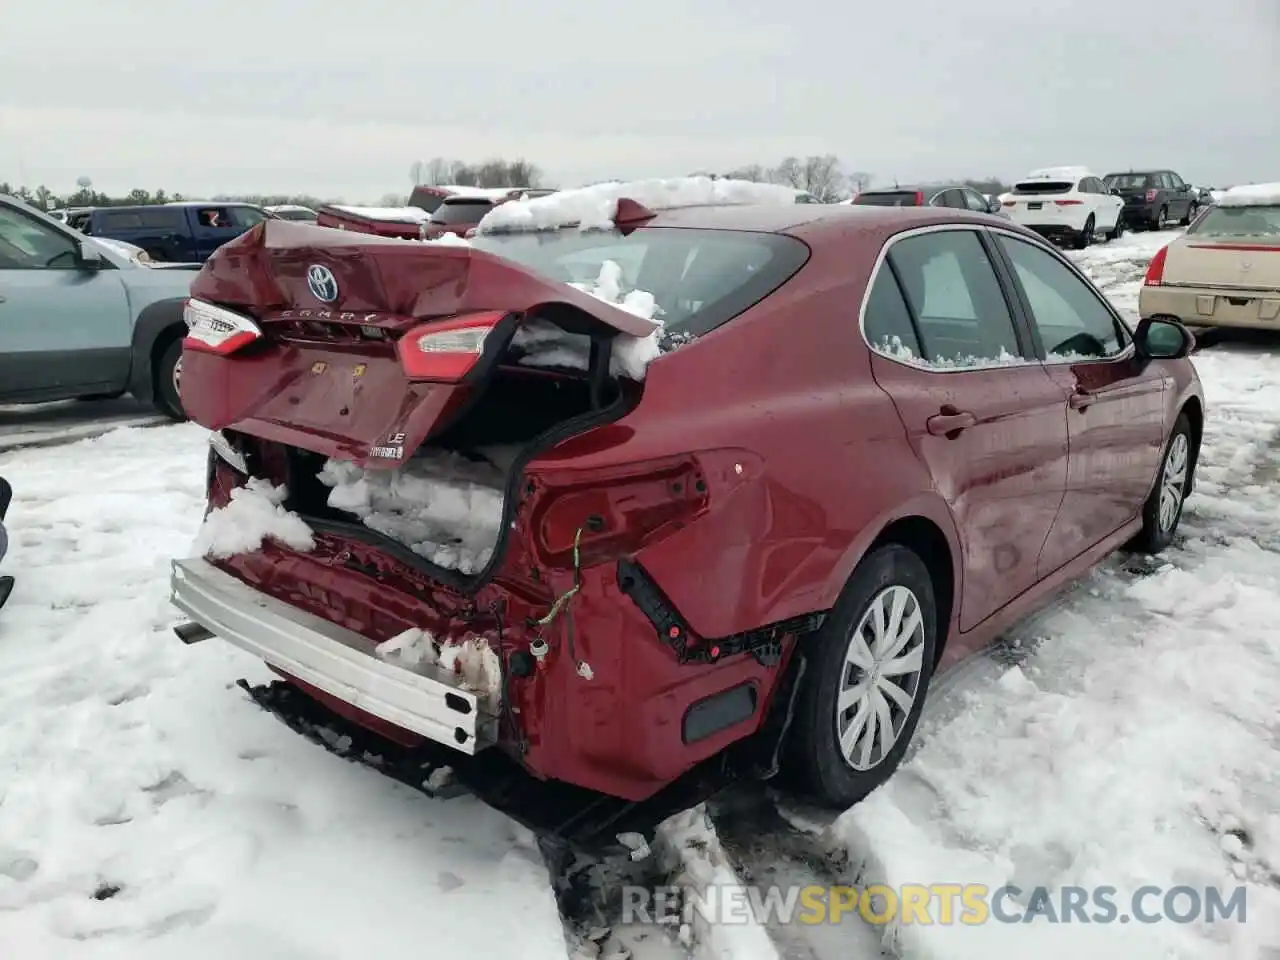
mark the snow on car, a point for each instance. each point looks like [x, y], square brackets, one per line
[1125, 733]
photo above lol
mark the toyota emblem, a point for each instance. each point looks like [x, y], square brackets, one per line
[323, 284]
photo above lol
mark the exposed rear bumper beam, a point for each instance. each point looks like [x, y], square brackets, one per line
[422, 699]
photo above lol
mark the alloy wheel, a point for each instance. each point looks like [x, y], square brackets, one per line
[880, 677]
[177, 378]
[1173, 481]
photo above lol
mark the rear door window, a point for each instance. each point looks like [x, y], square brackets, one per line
[975, 201]
[960, 311]
[887, 323]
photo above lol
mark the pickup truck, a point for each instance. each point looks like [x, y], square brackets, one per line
[407, 223]
[82, 318]
[184, 232]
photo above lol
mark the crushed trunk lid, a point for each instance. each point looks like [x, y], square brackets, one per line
[325, 374]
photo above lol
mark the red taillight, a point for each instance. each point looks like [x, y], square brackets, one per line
[1068, 203]
[1151, 195]
[1155, 269]
[446, 350]
[215, 329]
[919, 199]
[1008, 203]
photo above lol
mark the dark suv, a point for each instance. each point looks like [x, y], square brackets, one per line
[1154, 198]
[958, 196]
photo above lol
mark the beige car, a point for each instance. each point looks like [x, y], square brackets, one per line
[1225, 270]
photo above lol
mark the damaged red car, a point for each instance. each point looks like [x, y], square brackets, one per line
[613, 504]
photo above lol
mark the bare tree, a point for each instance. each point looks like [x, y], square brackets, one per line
[859, 180]
[437, 172]
[416, 171]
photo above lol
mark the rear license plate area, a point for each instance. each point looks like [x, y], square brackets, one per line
[1035, 206]
[1239, 301]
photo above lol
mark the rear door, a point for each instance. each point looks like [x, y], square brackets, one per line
[979, 409]
[162, 233]
[63, 330]
[1115, 420]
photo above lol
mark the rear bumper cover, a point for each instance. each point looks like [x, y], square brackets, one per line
[1213, 307]
[422, 699]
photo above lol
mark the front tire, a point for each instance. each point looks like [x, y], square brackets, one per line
[1163, 509]
[168, 375]
[1192, 210]
[866, 679]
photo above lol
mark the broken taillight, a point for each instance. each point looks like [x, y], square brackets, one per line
[215, 329]
[446, 351]
[610, 517]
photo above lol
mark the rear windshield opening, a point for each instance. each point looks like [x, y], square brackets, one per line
[698, 279]
[898, 198]
[424, 199]
[458, 211]
[1260, 221]
[1035, 188]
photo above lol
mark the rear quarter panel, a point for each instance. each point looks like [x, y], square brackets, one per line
[807, 459]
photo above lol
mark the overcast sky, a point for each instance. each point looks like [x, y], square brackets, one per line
[338, 97]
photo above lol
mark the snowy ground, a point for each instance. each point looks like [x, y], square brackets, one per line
[42, 424]
[147, 809]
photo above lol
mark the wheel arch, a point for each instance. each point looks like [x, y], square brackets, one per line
[157, 326]
[926, 528]
[1193, 407]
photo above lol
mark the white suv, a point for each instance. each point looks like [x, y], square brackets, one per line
[1065, 204]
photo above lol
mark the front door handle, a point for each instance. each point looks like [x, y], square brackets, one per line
[950, 421]
[1080, 399]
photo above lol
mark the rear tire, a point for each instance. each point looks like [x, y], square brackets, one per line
[840, 756]
[1163, 509]
[1191, 215]
[1162, 219]
[1118, 230]
[1086, 235]
[168, 372]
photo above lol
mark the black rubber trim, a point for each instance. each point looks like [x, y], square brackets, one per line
[764, 643]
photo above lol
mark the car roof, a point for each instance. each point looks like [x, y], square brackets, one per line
[811, 219]
[921, 188]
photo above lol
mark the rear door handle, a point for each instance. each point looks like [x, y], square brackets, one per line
[1080, 399]
[950, 421]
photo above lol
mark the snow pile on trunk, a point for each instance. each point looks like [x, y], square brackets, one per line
[546, 345]
[255, 513]
[1251, 195]
[441, 505]
[472, 660]
[594, 207]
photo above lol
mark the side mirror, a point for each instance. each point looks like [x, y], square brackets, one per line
[993, 205]
[88, 257]
[1163, 338]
